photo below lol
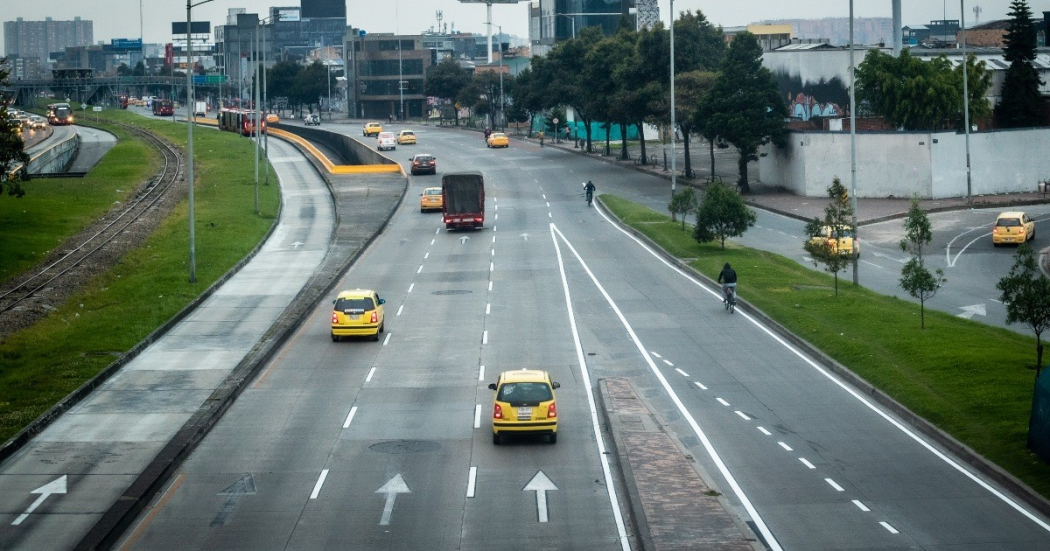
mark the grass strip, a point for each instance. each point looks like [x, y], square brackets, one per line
[971, 380]
[42, 364]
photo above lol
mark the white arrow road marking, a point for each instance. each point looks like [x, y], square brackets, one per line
[541, 485]
[970, 311]
[525, 236]
[392, 487]
[888, 257]
[234, 492]
[56, 486]
[297, 244]
[463, 240]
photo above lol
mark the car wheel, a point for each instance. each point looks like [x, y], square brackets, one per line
[553, 438]
[496, 439]
[376, 336]
[335, 338]
[382, 326]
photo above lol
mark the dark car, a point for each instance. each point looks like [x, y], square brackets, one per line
[424, 163]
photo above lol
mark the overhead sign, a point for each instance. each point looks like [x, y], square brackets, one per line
[126, 44]
[209, 79]
[288, 14]
[197, 27]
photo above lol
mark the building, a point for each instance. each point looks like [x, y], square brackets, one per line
[552, 21]
[235, 45]
[24, 68]
[835, 30]
[386, 74]
[40, 39]
[770, 37]
[985, 35]
[939, 33]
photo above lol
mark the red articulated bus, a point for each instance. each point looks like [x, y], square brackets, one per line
[241, 121]
[123, 101]
[163, 107]
[59, 114]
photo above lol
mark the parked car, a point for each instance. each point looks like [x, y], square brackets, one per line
[358, 312]
[423, 163]
[386, 141]
[1012, 227]
[313, 119]
[524, 403]
[372, 129]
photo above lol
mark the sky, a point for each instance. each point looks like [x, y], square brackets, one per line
[120, 18]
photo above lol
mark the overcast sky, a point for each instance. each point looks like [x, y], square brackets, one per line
[120, 18]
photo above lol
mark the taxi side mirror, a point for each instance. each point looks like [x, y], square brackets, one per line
[555, 385]
[382, 301]
[492, 386]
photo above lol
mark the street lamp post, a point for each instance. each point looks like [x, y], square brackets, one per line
[502, 114]
[853, 140]
[189, 132]
[673, 164]
[966, 104]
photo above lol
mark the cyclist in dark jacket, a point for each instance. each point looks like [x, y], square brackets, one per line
[588, 190]
[727, 277]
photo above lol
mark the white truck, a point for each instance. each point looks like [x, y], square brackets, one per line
[200, 108]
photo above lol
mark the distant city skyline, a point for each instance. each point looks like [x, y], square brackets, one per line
[120, 18]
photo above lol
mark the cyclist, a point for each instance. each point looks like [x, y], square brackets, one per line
[588, 189]
[728, 274]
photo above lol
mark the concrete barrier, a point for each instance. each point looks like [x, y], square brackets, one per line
[56, 158]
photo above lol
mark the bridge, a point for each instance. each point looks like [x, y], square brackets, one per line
[98, 90]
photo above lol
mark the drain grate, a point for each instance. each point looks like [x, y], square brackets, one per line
[452, 292]
[397, 447]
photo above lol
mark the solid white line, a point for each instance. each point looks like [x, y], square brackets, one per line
[350, 417]
[320, 482]
[399, 308]
[834, 485]
[472, 481]
[680, 372]
[841, 384]
[742, 415]
[420, 269]
[655, 355]
[785, 446]
[387, 339]
[861, 506]
[488, 308]
[621, 529]
[887, 526]
[481, 373]
[721, 401]
[807, 463]
[702, 387]
[764, 431]
[410, 287]
[368, 378]
[484, 337]
[668, 363]
[477, 416]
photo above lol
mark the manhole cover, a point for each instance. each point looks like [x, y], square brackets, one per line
[405, 446]
[452, 292]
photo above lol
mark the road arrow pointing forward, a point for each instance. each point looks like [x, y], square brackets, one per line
[243, 487]
[541, 485]
[392, 487]
[970, 311]
[525, 235]
[297, 244]
[56, 486]
[463, 240]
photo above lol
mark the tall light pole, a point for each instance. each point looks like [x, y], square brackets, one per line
[502, 115]
[257, 112]
[966, 104]
[673, 165]
[853, 139]
[189, 132]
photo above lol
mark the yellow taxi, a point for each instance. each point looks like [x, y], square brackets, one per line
[431, 199]
[524, 403]
[406, 137]
[1012, 227]
[497, 139]
[357, 313]
[839, 240]
[372, 129]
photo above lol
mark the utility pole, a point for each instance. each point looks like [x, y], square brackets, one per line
[673, 105]
[853, 140]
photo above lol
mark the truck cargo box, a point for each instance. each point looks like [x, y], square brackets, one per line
[464, 200]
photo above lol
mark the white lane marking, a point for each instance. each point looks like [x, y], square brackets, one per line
[764, 431]
[432, 241]
[493, 238]
[834, 485]
[742, 415]
[549, 215]
[844, 386]
[488, 308]
[399, 308]
[548, 205]
[490, 286]
[426, 255]
[807, 463]
[436, 231]
[472, 481]
[493, 252]
[495, 217]
[317, 486]
[721, 401]
[702, 387]
[668, 363]
[543, 194]
[368, 378]
[891, 529]
[477, 416]
[680, 372]
[481, 373]
[785, 446]
[410, 287]
[420, 269]
[948, 248]
[492, 266]
[387, 339]
[655, 355]
[861, 506]
[610, 486]
[484, 337]
[350, 417]
[872, 264]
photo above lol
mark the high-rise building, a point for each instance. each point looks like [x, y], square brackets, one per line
[555, 20]
[41, 38]
[324, 8]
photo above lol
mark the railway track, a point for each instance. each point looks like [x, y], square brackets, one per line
[29, 296]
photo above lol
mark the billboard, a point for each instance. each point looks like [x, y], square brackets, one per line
[287, 14]
[197, 27]
[126, 44]
[324, 8]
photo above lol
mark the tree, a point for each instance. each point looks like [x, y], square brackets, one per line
[838, 217]
[12, 148]
[280, 82]
[1026, 295]
[312, 82]
[682, 202]
[721, 214]
[744, 106]
[1021, 104]
[915, 278]
[446, 80]
[690, 90]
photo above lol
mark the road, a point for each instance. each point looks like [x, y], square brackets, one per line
[386, 445]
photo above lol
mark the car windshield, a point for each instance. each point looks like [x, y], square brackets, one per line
[407, 133]
[525, 392]
[423, 158]
[364, 304]
[1008, 222]
[433, 192]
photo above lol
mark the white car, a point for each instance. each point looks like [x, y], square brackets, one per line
[386, 140]
[312, 119]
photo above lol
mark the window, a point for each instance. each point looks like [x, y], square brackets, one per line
[525, 392]
[355, 304]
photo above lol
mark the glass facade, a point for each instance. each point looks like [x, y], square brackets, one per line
[563, 19]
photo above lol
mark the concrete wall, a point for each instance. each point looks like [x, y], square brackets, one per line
[900, 164]
[56, 158]
[350, 151]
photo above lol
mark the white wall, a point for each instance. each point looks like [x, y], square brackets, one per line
[900, 164]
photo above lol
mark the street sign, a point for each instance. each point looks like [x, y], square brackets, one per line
[209, 79]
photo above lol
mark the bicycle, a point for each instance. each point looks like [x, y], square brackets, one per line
[590, 198]
[730, 299]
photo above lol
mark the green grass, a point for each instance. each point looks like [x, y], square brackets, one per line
[972, 380]
[42, 364]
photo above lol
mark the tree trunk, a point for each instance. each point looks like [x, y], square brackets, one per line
[641, 138]
[623, 140]
[685, 142]
[745, 188]
[587, 129]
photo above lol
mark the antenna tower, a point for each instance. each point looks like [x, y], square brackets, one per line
[440, 15]
[977, 15]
